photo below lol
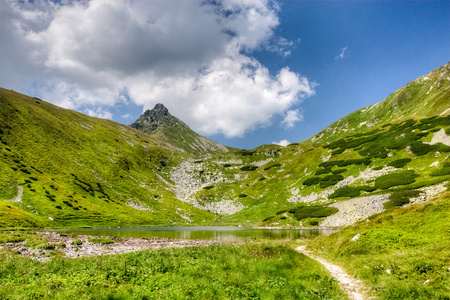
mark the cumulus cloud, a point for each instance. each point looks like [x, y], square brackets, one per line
[283, 143]
[195, 57]
[342, 54]
[292, 117]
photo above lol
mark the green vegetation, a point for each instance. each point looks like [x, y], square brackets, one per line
[395, 179]
[249, 168]
[77, 242]
[400, 163]
[400, 198]
[348, 191]
[401, 254]
[314, 211]
[100, 240]
[252, 271]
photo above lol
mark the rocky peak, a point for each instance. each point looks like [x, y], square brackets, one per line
[151, 119]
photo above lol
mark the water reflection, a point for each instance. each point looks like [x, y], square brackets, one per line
[202, 232]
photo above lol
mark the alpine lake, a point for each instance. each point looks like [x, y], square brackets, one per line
[228, 233]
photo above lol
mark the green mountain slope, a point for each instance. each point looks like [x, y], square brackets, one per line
[68, 169]
[424, 97]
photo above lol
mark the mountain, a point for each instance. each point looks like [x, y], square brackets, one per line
[171, 130]
[61, 168]
[424, 97]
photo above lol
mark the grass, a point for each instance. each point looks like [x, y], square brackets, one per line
[401, 254]
[251, 271]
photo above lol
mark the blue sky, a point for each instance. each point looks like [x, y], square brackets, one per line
[243, 73]
[389, 43]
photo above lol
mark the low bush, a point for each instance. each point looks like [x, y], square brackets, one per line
[314, 223]
[330, 180]
[208, 187]
[281, 212]
[311, 181]
[400, 163]
[400, 198]
[101, 240]
[346, 191]
[242, 195]
[76, 242]
[420, 149]
[314, 211]
[395, 179]
[338, 171]
[441, 172]
[249, 168]
[272, 166]
[323, 171]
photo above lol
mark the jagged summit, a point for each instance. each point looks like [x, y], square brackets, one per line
[158, 121]
[159, 116]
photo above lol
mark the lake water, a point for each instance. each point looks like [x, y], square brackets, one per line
[201, 232]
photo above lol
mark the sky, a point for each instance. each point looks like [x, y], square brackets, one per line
[241, 72]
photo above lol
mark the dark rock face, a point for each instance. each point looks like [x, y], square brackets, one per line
[150, 120]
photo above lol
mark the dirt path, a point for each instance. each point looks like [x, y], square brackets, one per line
[353, 287]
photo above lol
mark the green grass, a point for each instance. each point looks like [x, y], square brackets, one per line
[402, 254]
[252, 271]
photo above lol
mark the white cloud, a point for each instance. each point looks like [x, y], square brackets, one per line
[283, 143]
[342, 54]
[194, 57]
[98, 112]
[292, 117]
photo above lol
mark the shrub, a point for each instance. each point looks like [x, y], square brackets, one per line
[101, 240]
[226, 165]
[268, 218]
[400, 163]
[262, 178]
[272, 166]
[346, 192]
[420, 149]
[314, 223]
[311, 181]
[208, 187]
[338, 171]
[441, 172]
[76, 242]
[314, 211]
[283, 218]
[323, 171]
[400, 178]
[242, 195]
[330, 180]
[400, 198]
[281, 212]
[249, 168]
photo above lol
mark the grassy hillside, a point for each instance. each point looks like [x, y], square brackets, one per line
[424, 97]
[75, 170]
[401, 254]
